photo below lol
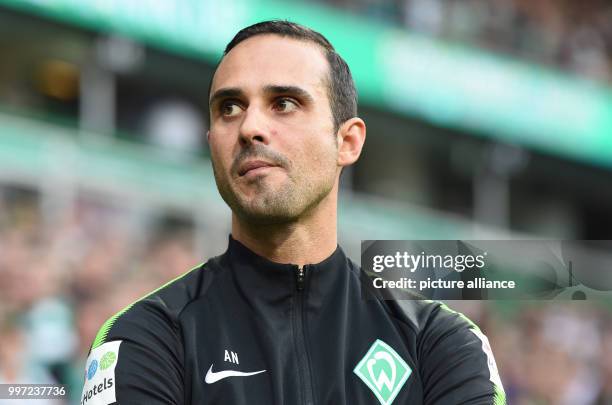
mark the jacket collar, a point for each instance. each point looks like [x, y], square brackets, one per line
[270, 280]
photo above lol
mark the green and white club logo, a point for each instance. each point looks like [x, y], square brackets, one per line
[383, 371]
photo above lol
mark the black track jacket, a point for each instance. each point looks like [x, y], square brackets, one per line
[241, 330]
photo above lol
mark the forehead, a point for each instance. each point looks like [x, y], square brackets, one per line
[270, 59]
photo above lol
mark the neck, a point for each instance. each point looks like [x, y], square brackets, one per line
[309, 239]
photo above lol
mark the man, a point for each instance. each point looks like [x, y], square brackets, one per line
[279, 318]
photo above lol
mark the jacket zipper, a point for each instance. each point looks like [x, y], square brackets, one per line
[301, 275]
[303, 360]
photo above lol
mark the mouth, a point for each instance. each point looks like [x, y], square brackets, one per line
[254, 166]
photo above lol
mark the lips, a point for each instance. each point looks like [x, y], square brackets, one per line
[252, 165]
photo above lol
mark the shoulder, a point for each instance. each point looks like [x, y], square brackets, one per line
[158, 311]
[452, 349]
[442, 328]
[138, 355]
[437, 326]
[404, 307]
[422, 316]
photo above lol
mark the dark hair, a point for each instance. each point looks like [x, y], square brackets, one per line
[340, 86]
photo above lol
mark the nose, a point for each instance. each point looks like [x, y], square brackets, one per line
[254, 127]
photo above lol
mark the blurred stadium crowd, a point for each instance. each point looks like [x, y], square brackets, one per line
[574, 35]
[59, 284]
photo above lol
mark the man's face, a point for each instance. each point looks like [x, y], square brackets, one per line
[272, 140]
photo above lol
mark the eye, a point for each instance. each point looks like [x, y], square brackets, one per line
[285, 105]
[230, 109]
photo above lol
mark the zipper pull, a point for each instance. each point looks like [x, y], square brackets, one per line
[300, 278]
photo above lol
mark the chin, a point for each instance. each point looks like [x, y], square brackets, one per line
[266, 209]
[265, 217]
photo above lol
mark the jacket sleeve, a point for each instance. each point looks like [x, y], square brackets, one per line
[456, 362]
[136, 358]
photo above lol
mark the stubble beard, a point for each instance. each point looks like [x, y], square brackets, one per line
[284, 204]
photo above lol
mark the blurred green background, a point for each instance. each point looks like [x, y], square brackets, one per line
[487, 119]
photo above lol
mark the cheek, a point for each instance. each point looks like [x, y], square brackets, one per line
[310, 133]
[322, 145]
[320, 156]
[220, 150]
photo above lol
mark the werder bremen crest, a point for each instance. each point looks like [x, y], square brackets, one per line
[383, 371]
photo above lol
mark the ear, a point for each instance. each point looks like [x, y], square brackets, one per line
[350, 137]
[208, 135]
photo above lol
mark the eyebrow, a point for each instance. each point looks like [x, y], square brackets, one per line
[229, 92]
[289, 90]
[235, 92]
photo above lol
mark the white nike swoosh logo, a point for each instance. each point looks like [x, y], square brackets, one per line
[213, 377]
